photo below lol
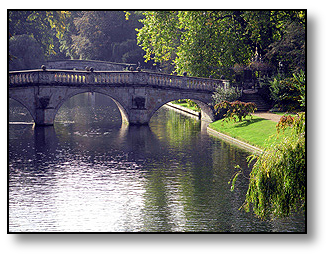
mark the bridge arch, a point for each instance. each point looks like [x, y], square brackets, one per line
[23, 105]
[72, 93]
[26, 102]
[207, 113]
[32, 102]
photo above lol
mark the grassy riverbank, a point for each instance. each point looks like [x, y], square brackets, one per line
[186, 105]
[257, 131]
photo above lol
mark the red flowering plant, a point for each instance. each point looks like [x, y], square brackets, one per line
[236, 109]
[296, 122]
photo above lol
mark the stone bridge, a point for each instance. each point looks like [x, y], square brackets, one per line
[138, 95]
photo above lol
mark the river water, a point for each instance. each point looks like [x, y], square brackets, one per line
[91, 173]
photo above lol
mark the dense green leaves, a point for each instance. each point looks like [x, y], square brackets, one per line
[105, 35]
[202, 43]
[289, 93]
[47, 27]
[26, 53]
[193, 41]
[205, 43]
[225, 94]
[99, 35]
[277, 184]
[236, 109]
[290, 49]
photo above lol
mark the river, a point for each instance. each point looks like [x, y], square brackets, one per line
[91, 173]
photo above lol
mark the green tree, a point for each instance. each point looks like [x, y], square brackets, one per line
[47, 27]
[288, 93]
[107, 35]
[291, 48]
[205, 43]
[277, 185]
[196, 42]
[26, 53]
[159, 36]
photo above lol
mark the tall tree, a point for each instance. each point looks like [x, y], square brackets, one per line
[47, 27]
[107, 35]
[25, 52]
[207, 43]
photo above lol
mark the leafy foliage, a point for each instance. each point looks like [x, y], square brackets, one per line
[100, 35]
[47, 27]
[289, 93]
[205, 43]
[26, 53]
[192, 41]
[300, 84]
[291, 48]
[236, 110]
[277, 185]
[225, 94]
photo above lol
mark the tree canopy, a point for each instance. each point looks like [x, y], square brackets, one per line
[205, 43]
[26, 53]
[97, 35]
[47, 27]
[106, 35]
[202, 43]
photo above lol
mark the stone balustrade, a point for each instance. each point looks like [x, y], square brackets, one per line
[86, 78]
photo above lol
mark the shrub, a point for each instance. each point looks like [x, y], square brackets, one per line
[227, 94]
[289, 93]
[300, 84]
[236, 109]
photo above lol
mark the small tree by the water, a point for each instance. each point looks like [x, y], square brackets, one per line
[236, 110]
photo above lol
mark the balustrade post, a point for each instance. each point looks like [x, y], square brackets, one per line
[184, 82]
[89, 78]
[140, 78]
[44, 77]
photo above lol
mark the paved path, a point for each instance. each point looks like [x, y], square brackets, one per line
[269, 116]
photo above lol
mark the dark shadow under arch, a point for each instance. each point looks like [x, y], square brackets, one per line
[18, 112]
[123, 112]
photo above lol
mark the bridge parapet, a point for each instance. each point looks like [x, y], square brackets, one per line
[69, 77]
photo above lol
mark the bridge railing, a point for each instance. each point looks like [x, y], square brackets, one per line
[86, 78]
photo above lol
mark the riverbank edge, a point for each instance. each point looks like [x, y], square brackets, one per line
[184, 109]
[234, 141]
[217, 134]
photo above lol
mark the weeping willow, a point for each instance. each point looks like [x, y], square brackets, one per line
[277, 185]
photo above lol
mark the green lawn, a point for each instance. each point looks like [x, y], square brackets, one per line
[185, 104]
[283, 113]
[255, 132]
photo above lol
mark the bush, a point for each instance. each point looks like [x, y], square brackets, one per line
[289, 93]
[227, 94]
[236, 109]
[300, 84]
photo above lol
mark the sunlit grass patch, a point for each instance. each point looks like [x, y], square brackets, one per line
[256, 131]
